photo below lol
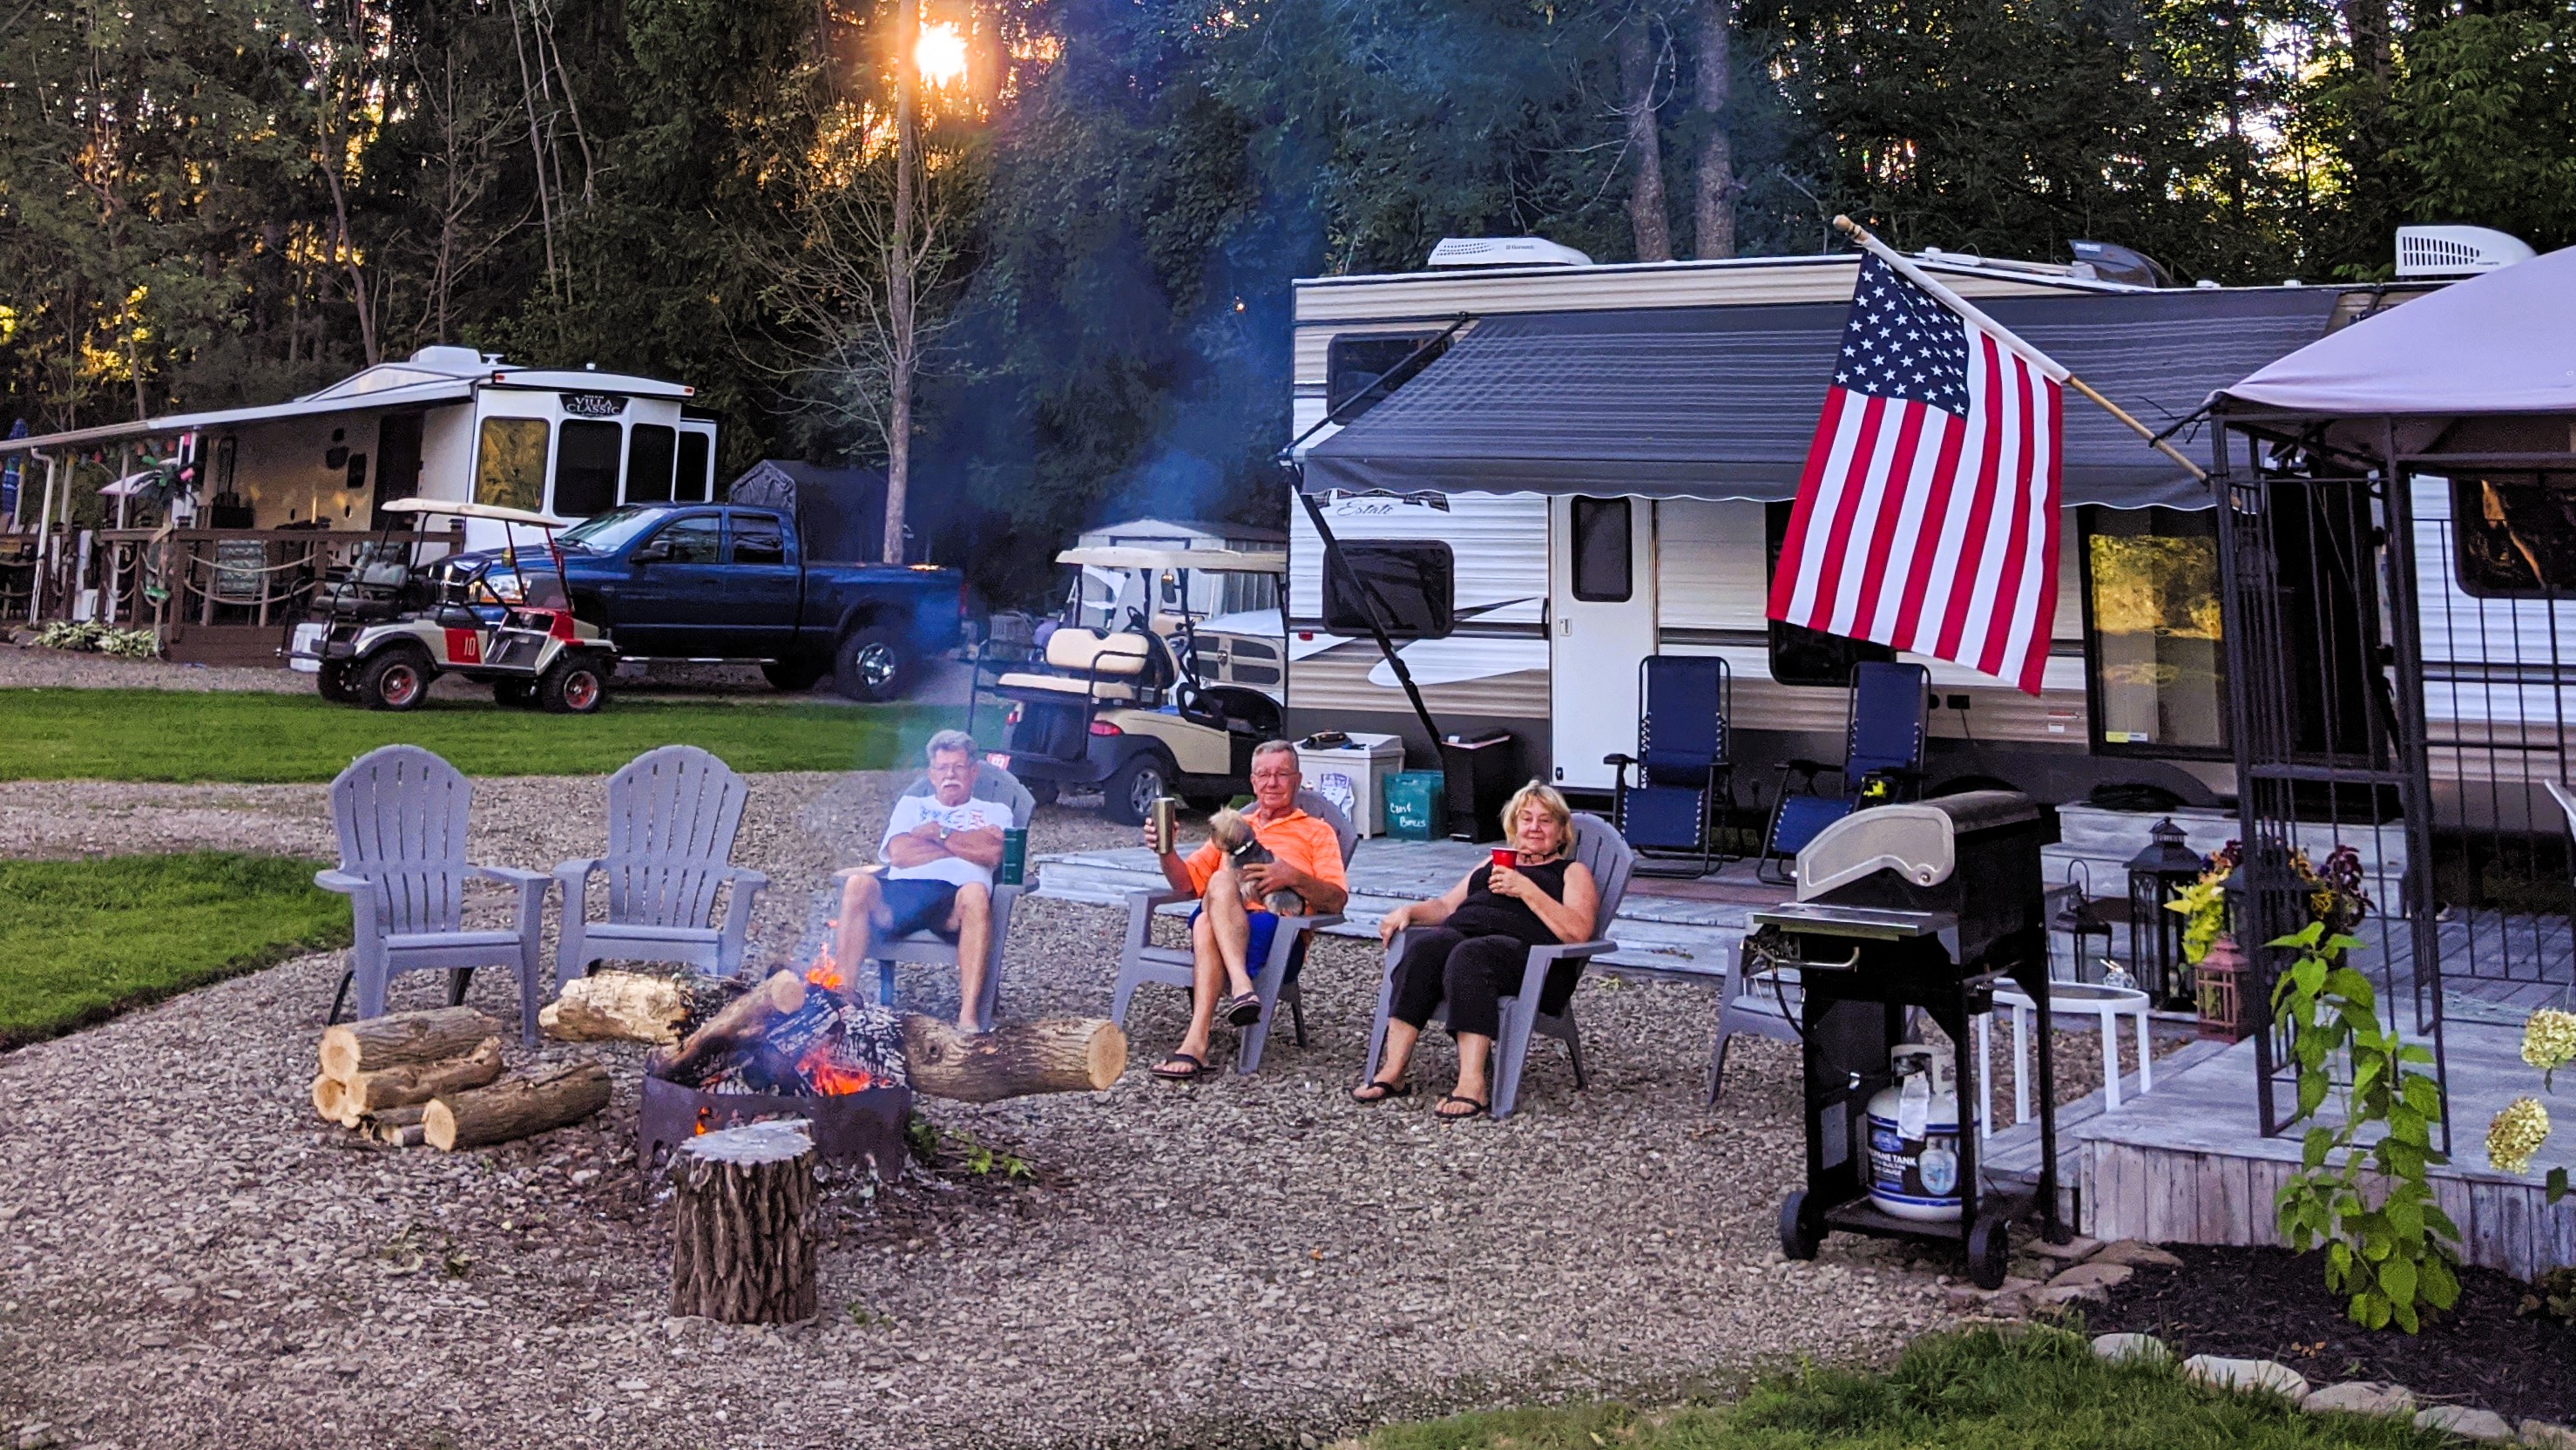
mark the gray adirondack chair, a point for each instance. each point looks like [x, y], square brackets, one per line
[929, 948]
[1141, 961]
[1608, 858]
[401, 815]
[672, 815]
[1750, 1003]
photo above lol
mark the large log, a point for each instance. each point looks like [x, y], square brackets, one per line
[331, 1100]
[418, 1082]
[1055, 1055]
[515, 1107]
[616, 1006]
[744, 1018]
[378, 1043]
[742, 1224]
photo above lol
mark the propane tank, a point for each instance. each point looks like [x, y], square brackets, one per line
[1914, 1139]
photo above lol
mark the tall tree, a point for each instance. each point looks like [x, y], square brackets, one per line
[1640, 75]
[1713, 185]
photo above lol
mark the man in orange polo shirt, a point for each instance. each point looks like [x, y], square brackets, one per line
[1230, 933]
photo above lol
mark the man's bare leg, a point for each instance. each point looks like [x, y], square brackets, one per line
[1207, 983]
[1222, 907]
[972, 919]
[863, 910]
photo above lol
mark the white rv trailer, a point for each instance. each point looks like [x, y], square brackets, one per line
[447, 423]
[1597, 467]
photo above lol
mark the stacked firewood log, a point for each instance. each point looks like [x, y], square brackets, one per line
[436, 1078]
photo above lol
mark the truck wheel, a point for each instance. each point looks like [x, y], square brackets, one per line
[1132, 788]
[333, 682]
[792, 677]
[574, 686]
[516, 694]
[393, 678]
[871, 665]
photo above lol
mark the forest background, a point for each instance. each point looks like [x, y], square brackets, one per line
[208, 203]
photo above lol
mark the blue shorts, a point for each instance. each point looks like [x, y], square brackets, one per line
[1265, 930]
[917, 904]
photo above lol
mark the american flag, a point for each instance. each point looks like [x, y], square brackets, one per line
[1927, 515]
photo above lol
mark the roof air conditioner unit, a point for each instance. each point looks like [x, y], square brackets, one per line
[1505, 252]
[2456, 251]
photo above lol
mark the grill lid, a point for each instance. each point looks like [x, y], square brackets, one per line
[1918, 840]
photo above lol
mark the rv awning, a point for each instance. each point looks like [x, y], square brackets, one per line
[408, 395]
[1719, 402]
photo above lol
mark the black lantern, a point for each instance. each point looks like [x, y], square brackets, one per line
[2158, 875]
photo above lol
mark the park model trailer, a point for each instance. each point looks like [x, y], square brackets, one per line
[1582, 466]
[278, 494]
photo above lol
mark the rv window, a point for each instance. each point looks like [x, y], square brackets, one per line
[650, 448]
[1602, 568]
[586, 468]
[2515, 535]
[2151, 604]
[692, 487]
[1803, 656]
[1243, 592]
[1409, 583]
[1354, 366]
[510, 463]
[757, 540]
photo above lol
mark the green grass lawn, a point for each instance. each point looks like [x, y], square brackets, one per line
[2039, 1389]
[83, 940]
[180, 735]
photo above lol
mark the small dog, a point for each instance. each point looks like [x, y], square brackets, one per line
[1232, 832]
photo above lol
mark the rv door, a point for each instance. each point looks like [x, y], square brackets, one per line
[1601, 622]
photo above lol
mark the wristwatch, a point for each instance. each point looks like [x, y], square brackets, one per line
[943, 833]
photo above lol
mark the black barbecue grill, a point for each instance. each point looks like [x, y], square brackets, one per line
[1923, 907]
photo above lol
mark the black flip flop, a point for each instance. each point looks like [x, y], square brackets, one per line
[1475, 1109]
[1385, 1090]
[1243, 1010]
[1195, 1069]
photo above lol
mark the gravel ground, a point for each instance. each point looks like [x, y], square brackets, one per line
[187, 1259]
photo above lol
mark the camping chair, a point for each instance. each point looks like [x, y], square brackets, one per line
[1610, 861]
[400, 812]
[929, 948]
[672, 814]
[1273, 981]
[1684, 781]
[1764, 1004]
[1890, 713]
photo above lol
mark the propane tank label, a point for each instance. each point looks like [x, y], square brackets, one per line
[1917, 1173]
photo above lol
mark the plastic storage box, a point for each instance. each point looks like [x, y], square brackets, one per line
[1348, 774]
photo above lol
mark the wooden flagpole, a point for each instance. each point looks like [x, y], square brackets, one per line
[2004, 335]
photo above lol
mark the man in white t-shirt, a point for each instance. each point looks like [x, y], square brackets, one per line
[939, 851]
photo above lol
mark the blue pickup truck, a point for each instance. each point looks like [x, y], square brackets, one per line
[729, 582]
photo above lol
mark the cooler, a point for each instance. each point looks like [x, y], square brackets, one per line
[1348, 774]
[1415, 806]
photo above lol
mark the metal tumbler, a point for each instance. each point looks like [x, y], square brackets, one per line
[1162, 823]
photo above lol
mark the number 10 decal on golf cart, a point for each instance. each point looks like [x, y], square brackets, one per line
[381, 632]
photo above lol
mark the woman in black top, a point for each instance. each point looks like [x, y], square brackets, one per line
[1471, 947]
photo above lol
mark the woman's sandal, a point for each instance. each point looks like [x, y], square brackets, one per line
[1242, 1010]
[1475, 1109]
[1163, 1069]
[1382, 1091]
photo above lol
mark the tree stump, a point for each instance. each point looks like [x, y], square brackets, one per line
[742, 1224]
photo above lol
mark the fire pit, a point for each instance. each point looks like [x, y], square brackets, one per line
[847, 1126]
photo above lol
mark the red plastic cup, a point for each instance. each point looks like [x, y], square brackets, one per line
[1506, 859]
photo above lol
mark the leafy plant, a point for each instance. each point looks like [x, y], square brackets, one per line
[930, 1142]
[2553, 1294]
[2392, 1257]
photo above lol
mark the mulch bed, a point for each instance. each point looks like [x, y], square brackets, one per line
[2272, 1304]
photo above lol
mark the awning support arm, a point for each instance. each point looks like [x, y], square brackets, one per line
[1333, 557]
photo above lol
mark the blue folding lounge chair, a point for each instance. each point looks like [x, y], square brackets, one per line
[1890, 709]
[1684, 780]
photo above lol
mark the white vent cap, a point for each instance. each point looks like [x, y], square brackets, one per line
[1505, 252]
[2456, 251]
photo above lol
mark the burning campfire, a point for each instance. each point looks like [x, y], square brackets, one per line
[792, 1036]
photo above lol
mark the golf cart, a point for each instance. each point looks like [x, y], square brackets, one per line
[384, 628]
[1133, 692]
